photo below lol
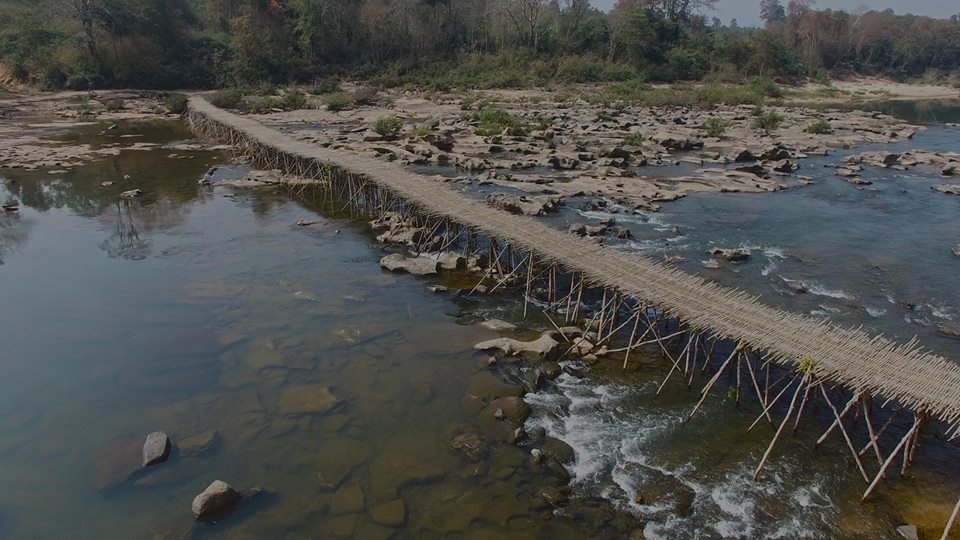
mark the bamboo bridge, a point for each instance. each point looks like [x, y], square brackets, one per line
[818, 356]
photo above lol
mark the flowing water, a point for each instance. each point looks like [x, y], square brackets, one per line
[199, 310]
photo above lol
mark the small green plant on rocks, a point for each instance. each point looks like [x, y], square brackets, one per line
[768, 121]
[228, 98]
[633, 139]
[820, 127]
[716, 127]
[388, 127]
[175, 103]
[338, 102]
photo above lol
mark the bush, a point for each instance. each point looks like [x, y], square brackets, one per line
[175, 103]
[229, 98]
[424, 129]
[338, 102]
[388, 127]
[716, 127]
[766, 88]
[633, 139]
[820, 127]
[293, 100]
[604, 116]
[365, 95]
[493, 121]
[113, 104]
[322, 86]
[767, 120]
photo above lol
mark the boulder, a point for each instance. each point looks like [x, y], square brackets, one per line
[785, 166]
[442, 141]
[218, 499]
[543, 348]
[308, 399]
[563, 163]
[732, 255]
[418, 266]
[755, 169]
[676, 141]
[949, 329]
[558, 451]
[156, 448]
[743, 155]
[956, 250]
[131, 194]
[949, 189]
[510, 409]
[470, 445]
[451, 261]
[391, 513]
[776, 153]
[950, 169]
[522, 204]
[578, 229]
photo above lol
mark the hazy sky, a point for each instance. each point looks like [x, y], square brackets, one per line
[747, 11]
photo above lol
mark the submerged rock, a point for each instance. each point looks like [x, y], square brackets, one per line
[949, 329]
[347, 500]
[498, 325]
[118, 461]
[391, 514]
[199, 444]
[219, 498]
[470, 445]
[156, 448]
[418, 266]
[510, 408]
[486, 385]
[308, 399]
[949, 189]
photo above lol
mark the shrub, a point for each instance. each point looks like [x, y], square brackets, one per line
[338, 101]
[388, 127]
[113, 104]
[423, 129]
[716, 127]
[633, 139]
[767, 121]
[365, 95]
[175, 103]
[820, 127]
[604, 116]
[327, 85]
[766, 88]
[493, 121]
[293, 100]
[229, 98]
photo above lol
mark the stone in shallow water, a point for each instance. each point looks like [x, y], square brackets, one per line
[199, 444]
[218, 498]
[308, 399]
[486, 385]
[391, 514]
[337, 458]
[156, 448]
[119, 460]
[950, 329]
[348, 500]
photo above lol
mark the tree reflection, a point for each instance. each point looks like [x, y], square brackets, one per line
[13, 228]
[125, 242]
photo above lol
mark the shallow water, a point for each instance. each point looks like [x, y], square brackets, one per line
[193, 309]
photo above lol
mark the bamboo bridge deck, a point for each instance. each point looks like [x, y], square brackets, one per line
[874, 365]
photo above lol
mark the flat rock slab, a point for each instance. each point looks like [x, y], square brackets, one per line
[949, 329]
[543, 348]
[118, 461]
[956, 250]
[391, 514]
[500, 326]
[198, 444]
[156, 448]
[418, 266]
[348, 500]
[949, 189]
[219, 498]
[308, 399]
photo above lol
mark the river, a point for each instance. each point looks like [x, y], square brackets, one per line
[201, 310]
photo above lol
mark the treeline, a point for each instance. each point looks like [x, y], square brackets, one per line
[82, 44]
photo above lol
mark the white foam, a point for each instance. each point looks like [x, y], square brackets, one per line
[876, 312]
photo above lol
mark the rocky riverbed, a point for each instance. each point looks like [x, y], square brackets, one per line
[636, 157]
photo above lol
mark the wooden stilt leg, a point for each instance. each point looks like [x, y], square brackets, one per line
[846, 437]
[953, 519]
[793, 402]
[883, 468]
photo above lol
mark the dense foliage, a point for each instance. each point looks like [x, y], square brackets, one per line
[444, 43]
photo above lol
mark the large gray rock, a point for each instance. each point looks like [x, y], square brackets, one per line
[949, 189]
[156, 448]
[543, 348]
[418, 266]
[956, 250]
[522, 204]
[949, 329]
[732, 255]
[219, 498]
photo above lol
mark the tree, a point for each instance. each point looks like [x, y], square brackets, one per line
[527, 18]
[772, 11]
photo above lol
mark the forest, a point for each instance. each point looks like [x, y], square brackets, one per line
[441, 44]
